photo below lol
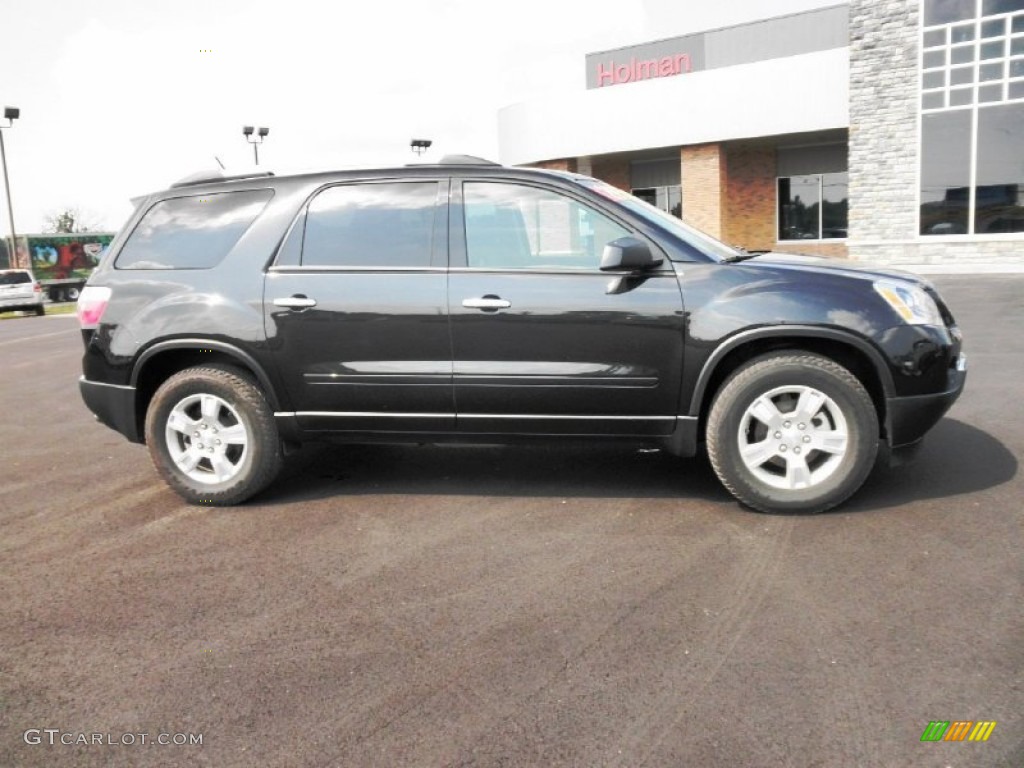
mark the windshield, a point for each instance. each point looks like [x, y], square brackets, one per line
[693, 237]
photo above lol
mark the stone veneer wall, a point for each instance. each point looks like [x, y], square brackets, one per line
[885, 145]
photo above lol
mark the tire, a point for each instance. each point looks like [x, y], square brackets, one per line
[73, 293]
[40, 310]
[212, 436]
[792, 432]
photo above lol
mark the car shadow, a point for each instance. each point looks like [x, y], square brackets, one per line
[955, 459]
[570, 471]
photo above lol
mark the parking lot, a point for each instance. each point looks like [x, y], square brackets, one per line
[434, 606]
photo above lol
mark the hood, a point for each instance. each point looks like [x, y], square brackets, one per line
[822, 265]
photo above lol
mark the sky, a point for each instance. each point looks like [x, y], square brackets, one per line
[119, 98]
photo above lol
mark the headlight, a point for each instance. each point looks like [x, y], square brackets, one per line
[911, 303]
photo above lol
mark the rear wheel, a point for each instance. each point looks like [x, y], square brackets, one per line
[792, 433]
[40, 310]
[212, 437]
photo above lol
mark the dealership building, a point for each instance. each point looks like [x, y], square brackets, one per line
[886, 130]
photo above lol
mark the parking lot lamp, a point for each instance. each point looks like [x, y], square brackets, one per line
[255, 137]
[10, 115]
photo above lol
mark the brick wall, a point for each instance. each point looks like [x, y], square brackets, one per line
[750, 198]
[612, 170]
[702, 169]
[565, 164]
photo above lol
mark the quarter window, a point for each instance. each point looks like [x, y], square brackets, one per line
[511, 226]
[194, 232]
[371, 225]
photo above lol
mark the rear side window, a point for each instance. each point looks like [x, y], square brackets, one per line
[371, 225]
[191, 232]
[14, 278]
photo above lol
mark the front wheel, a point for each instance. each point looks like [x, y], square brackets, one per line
[792, 433]
[212, 436]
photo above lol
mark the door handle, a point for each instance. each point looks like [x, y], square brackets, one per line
[295, 302]
[486, 302]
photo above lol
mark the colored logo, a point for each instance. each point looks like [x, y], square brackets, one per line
[958, 730]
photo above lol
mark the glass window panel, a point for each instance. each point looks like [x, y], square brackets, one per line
[990, 93]
[992, 7]
[946, 11]
[1018, 24]
[961, 76]
[991, 71]
[934, 79]
[993, 28]
[1016, 90]
[1017, 68]
[1017, 46]
[999, 195]
[371, 225]
[194, 232]
[945, 172]
[961, 97]
[963, 33]
[934, 37]
[934, 59]
[933, 100]
[799, 207]
[963, 55]
[834, 205]
[509, 226]
[993, 50]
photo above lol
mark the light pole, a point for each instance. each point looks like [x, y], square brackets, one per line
[261, 133]
[419, 146]
[10, 115]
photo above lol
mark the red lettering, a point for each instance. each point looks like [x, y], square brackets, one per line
[605, 74]
[666, 67]
[648, 69]
[681, 59]
[622, 74]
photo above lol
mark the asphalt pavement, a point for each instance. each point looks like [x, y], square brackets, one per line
[465, 606]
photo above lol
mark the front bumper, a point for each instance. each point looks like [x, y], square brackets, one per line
[113, 405]
[909, 418]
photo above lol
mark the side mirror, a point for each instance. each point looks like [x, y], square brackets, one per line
[628, 253]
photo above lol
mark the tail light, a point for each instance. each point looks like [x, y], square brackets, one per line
[38, 288]
[92, 303]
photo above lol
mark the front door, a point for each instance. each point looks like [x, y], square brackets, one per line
[356, 308]
[543, 341]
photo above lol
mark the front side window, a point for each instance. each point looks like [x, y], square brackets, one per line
[194, 232]
[972, 121]
[511, 226]
[381, 225]
[813, 207]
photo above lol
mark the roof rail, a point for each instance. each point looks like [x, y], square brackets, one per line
[203, 177]
[465, 160]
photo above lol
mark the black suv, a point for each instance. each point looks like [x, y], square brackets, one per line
[471, 302]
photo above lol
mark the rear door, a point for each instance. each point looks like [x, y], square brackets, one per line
[356, 308]
[543, 341]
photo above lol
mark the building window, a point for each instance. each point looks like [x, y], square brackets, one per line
[813, 207]
[972, 117]
[668, 199]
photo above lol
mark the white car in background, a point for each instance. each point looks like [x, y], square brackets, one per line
[19, 290]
